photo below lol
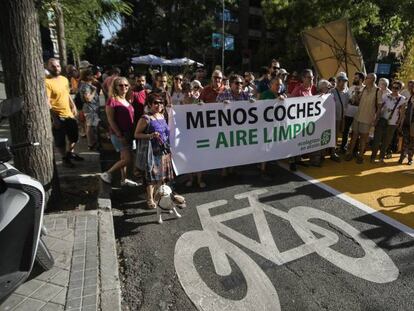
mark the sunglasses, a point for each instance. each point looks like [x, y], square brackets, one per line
[123, 85]
[394, 87]
[163, 81]
[178, 79]
[217, 77]
[196, 87]
[158, 102]
[238, 82]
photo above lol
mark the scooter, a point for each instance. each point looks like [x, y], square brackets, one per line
[22, 202]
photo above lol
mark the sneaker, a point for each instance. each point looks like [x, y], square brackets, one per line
[359, 160]
[67, 163]
[129, 183]
[74, 156]
[106, 177]
[400, 161]
[410, 162]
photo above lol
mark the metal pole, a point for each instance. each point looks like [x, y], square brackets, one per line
[223, 41]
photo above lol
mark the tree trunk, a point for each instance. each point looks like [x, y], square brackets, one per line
[60, 33]
[24, 75]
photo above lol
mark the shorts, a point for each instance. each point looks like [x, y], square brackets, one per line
[92, 119]
[116, 142]
[361, 128]
[68, 127]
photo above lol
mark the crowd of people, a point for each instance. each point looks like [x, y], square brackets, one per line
[136, 106]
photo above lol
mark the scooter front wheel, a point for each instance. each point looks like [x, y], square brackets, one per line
[43, 256]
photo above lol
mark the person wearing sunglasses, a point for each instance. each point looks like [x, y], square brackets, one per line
[389, 118]
[120, 116]
[235, 92]
[210, 92]
[177, 95]
[153, 127]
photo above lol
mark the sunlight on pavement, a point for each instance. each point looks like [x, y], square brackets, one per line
[388, 188]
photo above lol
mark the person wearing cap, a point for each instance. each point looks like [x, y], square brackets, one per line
[196, 89]
[341, 97]
[84, 64]
[283, 74]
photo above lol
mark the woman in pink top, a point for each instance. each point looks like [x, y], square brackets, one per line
[120, 115]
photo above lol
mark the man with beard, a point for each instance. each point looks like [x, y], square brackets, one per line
[351, 109]
[63, 111]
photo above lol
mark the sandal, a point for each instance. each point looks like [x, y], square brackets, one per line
[151, 204]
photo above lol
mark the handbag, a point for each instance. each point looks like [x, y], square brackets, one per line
[144, 160]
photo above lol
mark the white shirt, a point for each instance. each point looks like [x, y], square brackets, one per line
[388, 106]
[177, 98]
[354, 92]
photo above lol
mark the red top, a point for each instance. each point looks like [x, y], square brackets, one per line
[301, 90]
[123, 115]
[209, 94]
[138, 101]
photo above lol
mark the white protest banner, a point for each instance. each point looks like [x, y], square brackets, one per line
[217, 135]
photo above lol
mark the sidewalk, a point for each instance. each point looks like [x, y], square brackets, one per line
[81, 239]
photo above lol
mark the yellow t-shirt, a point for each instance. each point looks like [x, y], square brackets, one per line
[57, 90]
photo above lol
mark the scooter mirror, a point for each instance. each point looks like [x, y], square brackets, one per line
[10, 106]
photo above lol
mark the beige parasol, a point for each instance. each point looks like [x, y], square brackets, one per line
[332, 48]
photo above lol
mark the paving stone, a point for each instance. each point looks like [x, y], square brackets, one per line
[61, 297]
[75, 283]
[88, 301]
[76, 275]
[90, 308]
[30, 305]
[74, 293]
[28, 288]
[47, 275]
[90, 281]
[61, 246]
[90, 290]
[52, 307]
[91, 273]
[47, 292]
[63, 260]
[12, 301]
[62, 278]
[73, 304]
[77, 267]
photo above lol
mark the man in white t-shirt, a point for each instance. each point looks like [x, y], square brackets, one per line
[390, 117]
[354, 94]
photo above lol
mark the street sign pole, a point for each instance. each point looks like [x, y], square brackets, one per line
[223, 41]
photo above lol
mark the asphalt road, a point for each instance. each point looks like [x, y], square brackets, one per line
[326, 255]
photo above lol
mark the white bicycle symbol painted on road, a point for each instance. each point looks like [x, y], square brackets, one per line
[375, 266]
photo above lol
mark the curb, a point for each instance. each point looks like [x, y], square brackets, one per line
[110, 286]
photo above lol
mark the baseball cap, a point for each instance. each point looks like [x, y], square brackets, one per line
[283, 71]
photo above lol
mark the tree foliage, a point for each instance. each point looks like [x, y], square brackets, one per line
[373, 22]
[84, 17]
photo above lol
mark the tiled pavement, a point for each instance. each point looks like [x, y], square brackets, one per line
[85, 274]
[73, 281]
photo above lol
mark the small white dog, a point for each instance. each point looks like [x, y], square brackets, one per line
[167, 200]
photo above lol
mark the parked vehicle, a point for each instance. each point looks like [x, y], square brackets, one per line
[22, 202]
